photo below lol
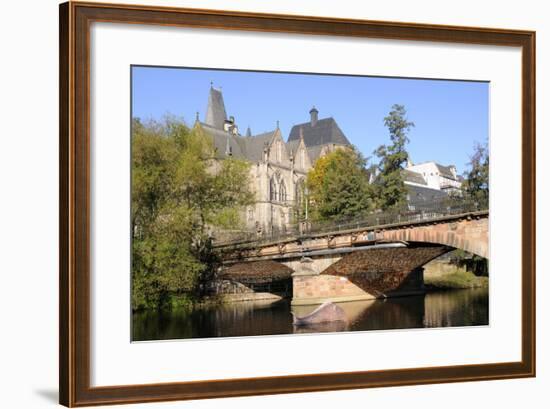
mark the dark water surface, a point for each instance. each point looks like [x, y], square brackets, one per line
[439, 309]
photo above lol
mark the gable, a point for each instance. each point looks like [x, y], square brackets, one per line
[277, 148]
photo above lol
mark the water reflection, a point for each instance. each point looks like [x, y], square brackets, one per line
[442, 309]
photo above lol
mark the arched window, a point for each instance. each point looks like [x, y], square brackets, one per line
[299, 193]
[272, 189]
[282, 191]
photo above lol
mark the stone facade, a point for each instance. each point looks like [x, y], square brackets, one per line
[233, 291]
[317, 289]
[278, 168]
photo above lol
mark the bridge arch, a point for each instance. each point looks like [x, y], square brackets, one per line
[383, 270]
[265, 274]
[469, 234]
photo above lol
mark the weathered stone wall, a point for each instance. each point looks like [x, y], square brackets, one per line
[232, 291]
[227, 287]
[316, 289]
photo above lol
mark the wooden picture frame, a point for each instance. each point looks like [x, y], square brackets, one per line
[74, 195]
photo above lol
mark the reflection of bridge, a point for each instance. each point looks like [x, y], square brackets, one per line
[356, 260]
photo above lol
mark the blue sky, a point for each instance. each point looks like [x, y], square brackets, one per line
[449, 116]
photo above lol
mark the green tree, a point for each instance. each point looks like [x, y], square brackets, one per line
[390, 188]
[476, 178]
[338, 186]
[179, 194]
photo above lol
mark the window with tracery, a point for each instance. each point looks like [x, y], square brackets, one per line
[272, 189]
[282, 192]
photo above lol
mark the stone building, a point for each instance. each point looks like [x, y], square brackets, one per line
[278, 168]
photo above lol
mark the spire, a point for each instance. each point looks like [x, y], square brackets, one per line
[248, 131]
[277, 124]
[215, 112]
[197, 117]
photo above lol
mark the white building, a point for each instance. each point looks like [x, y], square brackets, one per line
[437, 176]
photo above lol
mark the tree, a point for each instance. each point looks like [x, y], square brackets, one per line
[389, 185]
[476, 179]
[178, 196]
[338, 186]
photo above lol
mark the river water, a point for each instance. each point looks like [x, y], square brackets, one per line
[453, 308]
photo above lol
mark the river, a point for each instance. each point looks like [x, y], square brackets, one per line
[453, 308]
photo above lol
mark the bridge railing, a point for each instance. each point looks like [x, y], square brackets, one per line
[424, 212]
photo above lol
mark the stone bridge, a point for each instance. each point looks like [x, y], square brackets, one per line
[354, 263]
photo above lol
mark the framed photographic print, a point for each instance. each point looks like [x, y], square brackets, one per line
[259, 204]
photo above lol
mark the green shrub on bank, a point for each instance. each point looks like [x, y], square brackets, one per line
[178, 197]
[460, 279]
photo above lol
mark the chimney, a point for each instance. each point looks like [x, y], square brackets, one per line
[452, 168]
[314, 115]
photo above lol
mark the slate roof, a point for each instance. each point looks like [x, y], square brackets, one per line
[254, 145]
[445, 171]
[413, 177]
[215, 111]
[325, 131]
[250, 148]
[423, 197]
[292, 147]
[314, 152]
[222, 140]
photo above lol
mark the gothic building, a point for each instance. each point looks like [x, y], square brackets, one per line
[278, 168]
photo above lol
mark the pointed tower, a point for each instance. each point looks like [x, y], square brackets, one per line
[215, 112]
[248, 132]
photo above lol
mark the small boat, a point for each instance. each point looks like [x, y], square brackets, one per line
[326, 312]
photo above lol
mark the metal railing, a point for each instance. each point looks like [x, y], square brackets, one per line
[425, 212]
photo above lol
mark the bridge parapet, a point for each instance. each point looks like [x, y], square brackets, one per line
[433, 211]
[467, 231]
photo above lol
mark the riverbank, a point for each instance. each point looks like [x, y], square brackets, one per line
[455, 279]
